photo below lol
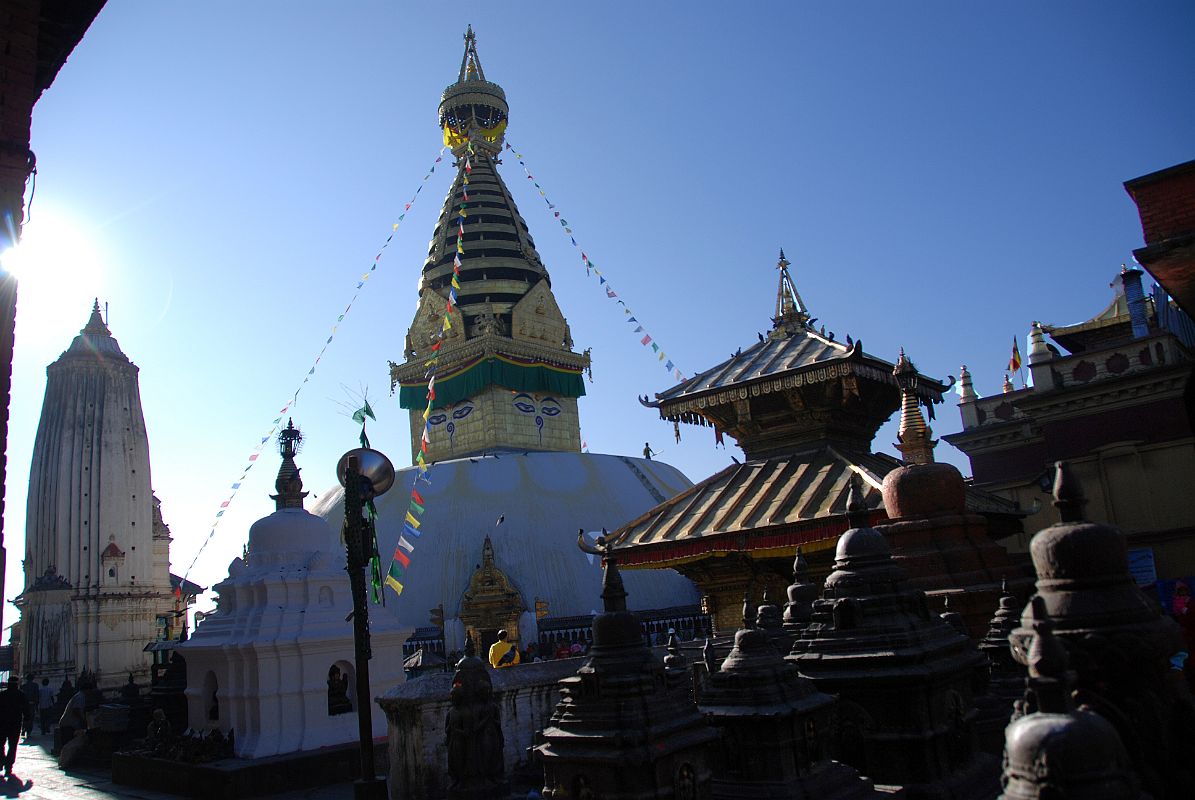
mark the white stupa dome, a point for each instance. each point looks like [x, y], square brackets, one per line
[544, 499]
[292, 533]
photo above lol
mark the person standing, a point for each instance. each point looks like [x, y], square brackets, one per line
[45, 706]
[14, 714]
[648, 452]
[29, 689]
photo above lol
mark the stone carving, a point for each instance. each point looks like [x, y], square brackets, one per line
[537, 318]
[474, 733]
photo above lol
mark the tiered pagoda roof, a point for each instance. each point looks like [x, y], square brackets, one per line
[805, 408]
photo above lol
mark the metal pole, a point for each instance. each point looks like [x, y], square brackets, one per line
[368, 786]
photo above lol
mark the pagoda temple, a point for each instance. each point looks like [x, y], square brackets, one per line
[804, 407]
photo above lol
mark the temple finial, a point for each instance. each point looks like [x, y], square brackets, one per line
[916, 443]
[96, 323]
[470, 63]
[288, 483]
[791, 313]
[473, 111]
[966, 389]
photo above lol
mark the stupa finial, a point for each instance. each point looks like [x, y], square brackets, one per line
[791, 313]
[473, 110]
[470, 62]
[916, 442]
[288, 483]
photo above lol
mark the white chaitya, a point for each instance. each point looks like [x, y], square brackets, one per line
[274, 662]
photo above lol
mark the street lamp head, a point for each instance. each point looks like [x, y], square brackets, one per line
[373, 466]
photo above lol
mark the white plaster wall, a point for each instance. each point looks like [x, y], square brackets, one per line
[271, 643]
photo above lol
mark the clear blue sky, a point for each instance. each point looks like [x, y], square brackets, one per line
[939, 173]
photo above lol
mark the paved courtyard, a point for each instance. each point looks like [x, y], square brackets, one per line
[36, 776]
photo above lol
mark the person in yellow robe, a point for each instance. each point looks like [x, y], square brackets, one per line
[503, 653]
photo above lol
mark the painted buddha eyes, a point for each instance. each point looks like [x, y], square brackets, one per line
[459, 411]
[549, 406]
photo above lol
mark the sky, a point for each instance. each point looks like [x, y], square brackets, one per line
[940, 174]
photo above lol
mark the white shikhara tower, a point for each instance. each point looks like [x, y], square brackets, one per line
[97, 579]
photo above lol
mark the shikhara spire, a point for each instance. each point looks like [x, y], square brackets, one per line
[791, 313]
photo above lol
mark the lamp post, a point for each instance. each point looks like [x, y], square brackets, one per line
[365, 474]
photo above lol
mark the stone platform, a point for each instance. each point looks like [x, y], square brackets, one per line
[234, 778]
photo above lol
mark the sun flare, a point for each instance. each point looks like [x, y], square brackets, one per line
[58, 269]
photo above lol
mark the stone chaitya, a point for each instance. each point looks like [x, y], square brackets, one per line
[1058, 751]
[1006, 681]
[1123, 650]
[777, 729]
[905, 679]
[618, 733]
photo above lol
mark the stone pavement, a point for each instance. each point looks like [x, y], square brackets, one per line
[36, 776]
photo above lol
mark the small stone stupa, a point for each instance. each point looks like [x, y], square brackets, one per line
[1122, 648]
[275, 661]
[776, 727]
[617, 734]
[1007, 677]
[905, 678]
[1059, 751]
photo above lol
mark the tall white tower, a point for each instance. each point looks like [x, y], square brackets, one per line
[97, 580]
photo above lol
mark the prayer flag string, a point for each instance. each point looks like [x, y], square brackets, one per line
[400, 562]
[360, 283]
[591, 270]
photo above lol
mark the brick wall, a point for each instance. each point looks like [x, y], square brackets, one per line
[18, 92]
[1166, 202]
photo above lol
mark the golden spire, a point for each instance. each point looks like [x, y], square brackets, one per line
[791, 313]
[916, 443]
[470, 62]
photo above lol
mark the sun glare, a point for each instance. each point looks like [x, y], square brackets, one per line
[58, 270]
[53, 248]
